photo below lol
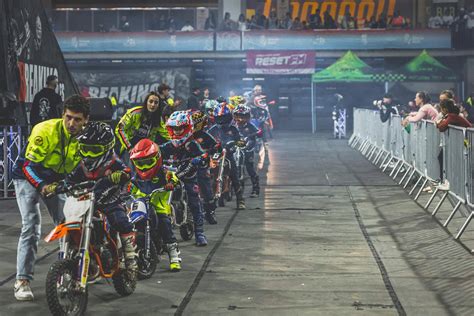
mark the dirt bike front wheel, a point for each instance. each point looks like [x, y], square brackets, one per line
[186, 231]
[63, 293]
[146, 263]
[125, 281]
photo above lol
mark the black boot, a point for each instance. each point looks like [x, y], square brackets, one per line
[255, 187]
[211, 217]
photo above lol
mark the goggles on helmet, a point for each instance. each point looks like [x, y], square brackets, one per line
[94, 151]
[145, 163]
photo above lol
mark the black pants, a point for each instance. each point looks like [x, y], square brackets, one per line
[440, 160]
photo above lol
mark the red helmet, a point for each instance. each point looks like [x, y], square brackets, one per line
[147, 159]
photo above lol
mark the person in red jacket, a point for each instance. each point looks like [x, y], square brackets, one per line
[450, 117]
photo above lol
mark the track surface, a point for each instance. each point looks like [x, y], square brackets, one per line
[330, 235]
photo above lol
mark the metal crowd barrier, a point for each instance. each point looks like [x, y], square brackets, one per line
[411, 155]
[10, 146]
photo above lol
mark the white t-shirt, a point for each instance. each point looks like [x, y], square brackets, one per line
[435, 22]
[187, 28]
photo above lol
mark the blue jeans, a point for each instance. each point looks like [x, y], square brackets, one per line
[204, 180]
[27, 198]
[194, 201]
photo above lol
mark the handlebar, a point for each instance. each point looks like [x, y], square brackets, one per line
[77, 189]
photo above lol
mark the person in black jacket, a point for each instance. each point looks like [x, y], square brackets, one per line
[386, 107]
[193, 100]
[46, 102]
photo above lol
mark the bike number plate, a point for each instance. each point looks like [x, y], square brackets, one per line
[74, 209]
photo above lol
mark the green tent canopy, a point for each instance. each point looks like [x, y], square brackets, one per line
[424, 67]
[348, 68]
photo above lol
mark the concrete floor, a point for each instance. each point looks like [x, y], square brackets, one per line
[330, 235]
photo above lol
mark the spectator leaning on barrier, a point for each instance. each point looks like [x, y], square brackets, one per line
[450, 117]
[315, 21]
[435, 22]
[286, 22]
[329, 22]
[228, 24]
[296, 25]
[242, 23]
[210, 24]
[51, 153]
[426, 110]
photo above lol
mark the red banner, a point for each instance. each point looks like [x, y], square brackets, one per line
[280, 62]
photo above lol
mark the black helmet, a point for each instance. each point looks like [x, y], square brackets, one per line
[96, 143]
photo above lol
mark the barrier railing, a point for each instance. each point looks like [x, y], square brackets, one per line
[411, 155]
[10, 146]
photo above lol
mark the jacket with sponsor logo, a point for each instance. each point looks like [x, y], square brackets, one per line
[51, 153]
[131, 129]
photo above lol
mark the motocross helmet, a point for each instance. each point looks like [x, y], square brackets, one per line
[241, 114]
[199, 120]
[146, 158]
[222, 114]
[209, 107]
[180, 127]
[95, 145]
[237, 100]
[260, 101]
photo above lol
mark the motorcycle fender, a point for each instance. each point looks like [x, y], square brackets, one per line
[84, 267]
[62, 230]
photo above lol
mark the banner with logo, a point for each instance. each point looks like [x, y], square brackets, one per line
[357, 8]
[280, 62]
[30, 51]
[129, 84]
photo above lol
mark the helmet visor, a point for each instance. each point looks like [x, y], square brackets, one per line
[145, 163]
[93, 151]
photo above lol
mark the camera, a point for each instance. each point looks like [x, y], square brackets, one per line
[378, 103]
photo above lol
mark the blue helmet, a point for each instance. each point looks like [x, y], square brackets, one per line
[222, 114]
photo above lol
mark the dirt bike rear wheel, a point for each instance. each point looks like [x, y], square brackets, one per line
[65, 272]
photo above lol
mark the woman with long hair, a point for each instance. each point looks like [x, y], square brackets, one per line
[144, 121]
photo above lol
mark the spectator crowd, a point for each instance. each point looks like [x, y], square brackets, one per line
[318, 20]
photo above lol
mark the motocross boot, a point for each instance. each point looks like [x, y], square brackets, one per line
[130, 250]
[255, 187]
[240, 200]
[201, 240]
[210, 212]
[173, 254]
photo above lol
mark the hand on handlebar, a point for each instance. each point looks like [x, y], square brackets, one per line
[241, 143]
[49, 190]
[119, 177]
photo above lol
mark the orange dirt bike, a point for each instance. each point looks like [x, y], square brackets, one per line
[90, 248]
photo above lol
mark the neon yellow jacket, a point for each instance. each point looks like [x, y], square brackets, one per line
[159, 200]
[51, 153]
[129, 131]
